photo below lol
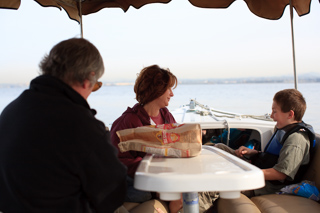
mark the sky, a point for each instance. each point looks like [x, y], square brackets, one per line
[194, 43]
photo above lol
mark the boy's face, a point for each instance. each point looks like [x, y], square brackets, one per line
[282, 118]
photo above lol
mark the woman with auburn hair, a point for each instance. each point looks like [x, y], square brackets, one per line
[153, 89]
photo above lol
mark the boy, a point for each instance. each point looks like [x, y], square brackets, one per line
[287, 155]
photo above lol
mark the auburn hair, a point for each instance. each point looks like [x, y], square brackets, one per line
[152, 82]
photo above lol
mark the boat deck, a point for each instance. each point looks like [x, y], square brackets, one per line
[210, 118]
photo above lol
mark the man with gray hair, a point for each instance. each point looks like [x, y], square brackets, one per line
[55, 156]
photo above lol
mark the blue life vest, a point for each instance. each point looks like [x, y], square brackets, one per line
[274, 145]
[269, 157]
[279, 137]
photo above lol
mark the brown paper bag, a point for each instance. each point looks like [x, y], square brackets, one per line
[174, 140]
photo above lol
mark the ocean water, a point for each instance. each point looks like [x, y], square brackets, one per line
[254, 99]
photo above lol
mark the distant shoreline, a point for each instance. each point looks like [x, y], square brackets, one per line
[201, 81]
[248, 81]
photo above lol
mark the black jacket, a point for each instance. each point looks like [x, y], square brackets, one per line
[55, 156]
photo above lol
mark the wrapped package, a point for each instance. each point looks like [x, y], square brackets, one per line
[305, 188]
[173, 140]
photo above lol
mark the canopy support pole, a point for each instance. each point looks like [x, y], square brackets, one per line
[80, 16]
[293, 48]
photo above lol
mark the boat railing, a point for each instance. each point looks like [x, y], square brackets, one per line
[211, 111]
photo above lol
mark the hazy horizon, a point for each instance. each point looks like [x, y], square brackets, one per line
[303, 78]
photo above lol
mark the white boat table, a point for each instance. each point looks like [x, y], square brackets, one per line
[212, 170]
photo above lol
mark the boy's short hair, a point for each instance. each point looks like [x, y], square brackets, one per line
[291, 99]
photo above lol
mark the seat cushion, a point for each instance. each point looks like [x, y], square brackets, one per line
[239, 205]
[151, 206]
[313, 172]
[285, 203]
[130, 205]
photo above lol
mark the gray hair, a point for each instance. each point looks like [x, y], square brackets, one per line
[73, 61]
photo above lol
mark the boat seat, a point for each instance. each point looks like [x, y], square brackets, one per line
[278, 203]
[149, 206]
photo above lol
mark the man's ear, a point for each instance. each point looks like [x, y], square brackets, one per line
[86, 84]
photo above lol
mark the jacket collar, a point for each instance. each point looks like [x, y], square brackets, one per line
[53, 86]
